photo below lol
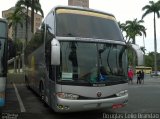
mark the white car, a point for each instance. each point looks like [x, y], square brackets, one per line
[153, 73]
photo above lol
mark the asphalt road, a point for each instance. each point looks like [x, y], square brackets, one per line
[144, 98]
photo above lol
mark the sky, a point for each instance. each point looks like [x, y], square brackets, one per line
[123, 10]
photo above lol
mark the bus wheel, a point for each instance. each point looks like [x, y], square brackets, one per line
[41, 92]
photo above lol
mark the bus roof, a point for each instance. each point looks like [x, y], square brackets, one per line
[80, 8]
[4, 20]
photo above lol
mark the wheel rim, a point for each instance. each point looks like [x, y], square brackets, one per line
[42, 93]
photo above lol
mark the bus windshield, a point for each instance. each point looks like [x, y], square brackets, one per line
[86, 24]
[83, 62]
[3, 38]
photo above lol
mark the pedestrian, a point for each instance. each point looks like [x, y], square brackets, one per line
[142, 77]
[139, 77]
[130, 76]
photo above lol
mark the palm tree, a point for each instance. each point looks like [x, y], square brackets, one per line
[134, 28]
[154, 8]
[36, 6]
[27, 4]
[143, 49]
[14, 19]
[122, 26]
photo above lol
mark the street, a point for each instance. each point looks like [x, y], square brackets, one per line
[22, 103]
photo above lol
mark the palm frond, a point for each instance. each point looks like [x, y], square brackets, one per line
[146, 13]
[146, 7]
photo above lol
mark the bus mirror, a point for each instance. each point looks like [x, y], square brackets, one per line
[55, 52]
[139, 53]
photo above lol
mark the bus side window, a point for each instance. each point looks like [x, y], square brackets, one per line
[49, 24]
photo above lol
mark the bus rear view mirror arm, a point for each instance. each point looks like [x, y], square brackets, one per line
[139, 54]
[55, 52]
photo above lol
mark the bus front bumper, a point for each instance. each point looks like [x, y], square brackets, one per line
[66, 105]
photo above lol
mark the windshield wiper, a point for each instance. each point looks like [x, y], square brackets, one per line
[70, 34]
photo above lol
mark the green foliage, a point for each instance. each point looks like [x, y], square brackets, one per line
[14, 19]
[25, 3]
[133, 29]
[130, 57]
[149, 60]
[35, 6]
[153, 7]
[19, 46]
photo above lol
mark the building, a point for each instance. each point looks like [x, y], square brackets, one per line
[81, 3]
[21, 31]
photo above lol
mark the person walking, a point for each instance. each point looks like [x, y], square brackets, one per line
[130, 76]
[139, 77]
[142, 77]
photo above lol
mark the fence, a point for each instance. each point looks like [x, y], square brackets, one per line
[16, 64]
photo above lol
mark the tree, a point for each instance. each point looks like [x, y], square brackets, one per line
[11, 49]
[149, 59]
[36, 6]
[27, 5]
[14, 19]
[19, 46]
[154, 8]
[134, 28]
[122, 26]
[143, 49]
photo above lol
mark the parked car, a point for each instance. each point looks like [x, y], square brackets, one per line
[153, 73]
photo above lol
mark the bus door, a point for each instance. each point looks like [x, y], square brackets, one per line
[52, 86]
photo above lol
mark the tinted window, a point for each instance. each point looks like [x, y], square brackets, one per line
[84, 62]
[3, 48]
[88, 26]
[49, 23]
[3, 31]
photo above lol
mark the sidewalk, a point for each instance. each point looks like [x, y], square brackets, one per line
[15, 77]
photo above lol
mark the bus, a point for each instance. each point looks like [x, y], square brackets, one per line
[147, 70]
[3, 59]
[77, 60]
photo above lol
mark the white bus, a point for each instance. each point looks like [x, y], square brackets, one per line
[3, 59]
[77, 60]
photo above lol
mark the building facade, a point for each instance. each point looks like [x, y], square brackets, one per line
[21, 31]
[81, 3]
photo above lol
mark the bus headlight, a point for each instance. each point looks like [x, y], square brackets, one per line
[122, 93]
[68, 96]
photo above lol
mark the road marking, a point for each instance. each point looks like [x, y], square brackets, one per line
[22, 108]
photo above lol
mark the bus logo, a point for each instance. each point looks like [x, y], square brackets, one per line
[99, 94]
